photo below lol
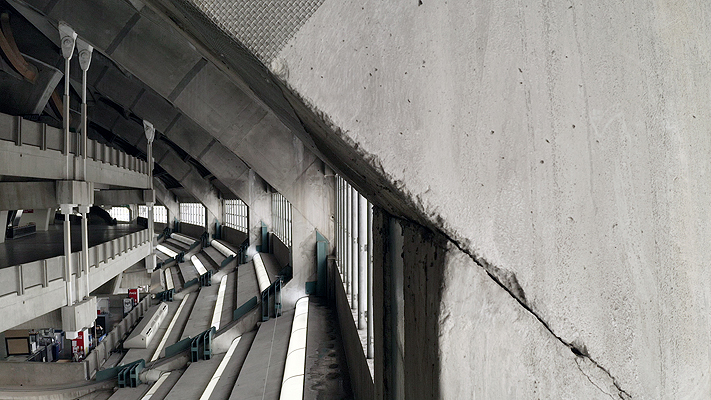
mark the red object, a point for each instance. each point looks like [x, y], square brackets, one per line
[78, 345]
[133, 293]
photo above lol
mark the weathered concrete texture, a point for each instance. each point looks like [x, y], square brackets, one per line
[564, 145]
[490, 347]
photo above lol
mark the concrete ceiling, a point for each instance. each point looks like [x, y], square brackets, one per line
[143, 68]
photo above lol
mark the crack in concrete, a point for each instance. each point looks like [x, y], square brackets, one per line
[517, 293]
[589, 379]
[413, 206]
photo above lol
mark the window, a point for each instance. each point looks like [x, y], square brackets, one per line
[160, 213]
[192, 213]
[236, 215]
[122, 214]
[281, 218]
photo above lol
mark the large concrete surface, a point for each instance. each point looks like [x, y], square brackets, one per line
[563, 146]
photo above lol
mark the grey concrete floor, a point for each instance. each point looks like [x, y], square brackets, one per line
[326, 373]
[50, 243]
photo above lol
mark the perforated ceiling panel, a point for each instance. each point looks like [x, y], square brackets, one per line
[263, 26]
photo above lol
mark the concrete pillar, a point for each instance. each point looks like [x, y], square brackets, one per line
[339, 218]
[84, 211]
[349, 243]
[362, 260]
[66, 210]
[369, 256]
[354, 245]
[68, 39]
[3, 224]
[151, 259]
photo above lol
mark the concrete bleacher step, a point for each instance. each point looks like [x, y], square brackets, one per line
[207, 262]
[130, 393]
[188, 272]
[160, 256]
[229, 299]
[214, 255]
[201, 315]
[175, 245]
[166, 386]
[147, 353]
[325, 357]
[173, 270]
[177, 333]
[224, 386]
[194, 380]
[271, 265]
[265, 360]
[247, 286]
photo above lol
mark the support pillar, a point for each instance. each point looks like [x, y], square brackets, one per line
[150, 133]
[354, 245]
[362, 260]
[369, 255]
[3, 224]
[66, 210]
[84, 211]
[349, 242]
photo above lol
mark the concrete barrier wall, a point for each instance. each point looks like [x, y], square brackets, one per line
[24, 132]
[233, 236]
[361, 381]
[39, 281]
[191, 230]
[280, 250]
[100, 354]
[40, 373]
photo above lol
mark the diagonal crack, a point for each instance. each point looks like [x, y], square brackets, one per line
[590, 379]
[391, 189]
[507, 281]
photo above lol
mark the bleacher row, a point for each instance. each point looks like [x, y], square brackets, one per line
[215, 330]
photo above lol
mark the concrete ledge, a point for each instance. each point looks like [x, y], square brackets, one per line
[75, 192]
[79, 316]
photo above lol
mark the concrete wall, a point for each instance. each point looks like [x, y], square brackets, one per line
[359, 374]
[16, 374]
[561, 146]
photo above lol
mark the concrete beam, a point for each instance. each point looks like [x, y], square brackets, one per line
[192, 181]
[26, 195]
[165, 197]
[75, 192]
[119, 197]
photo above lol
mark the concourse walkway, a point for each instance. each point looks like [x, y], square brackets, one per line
[50, 243]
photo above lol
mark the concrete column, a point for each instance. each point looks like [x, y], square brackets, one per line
[66, 210]
[3, 224]
[354, 255]
[339, 226]
[349, 243]
[68, 40]
[84, 210]
[362, 260]
[151, 259]
[369, 256]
